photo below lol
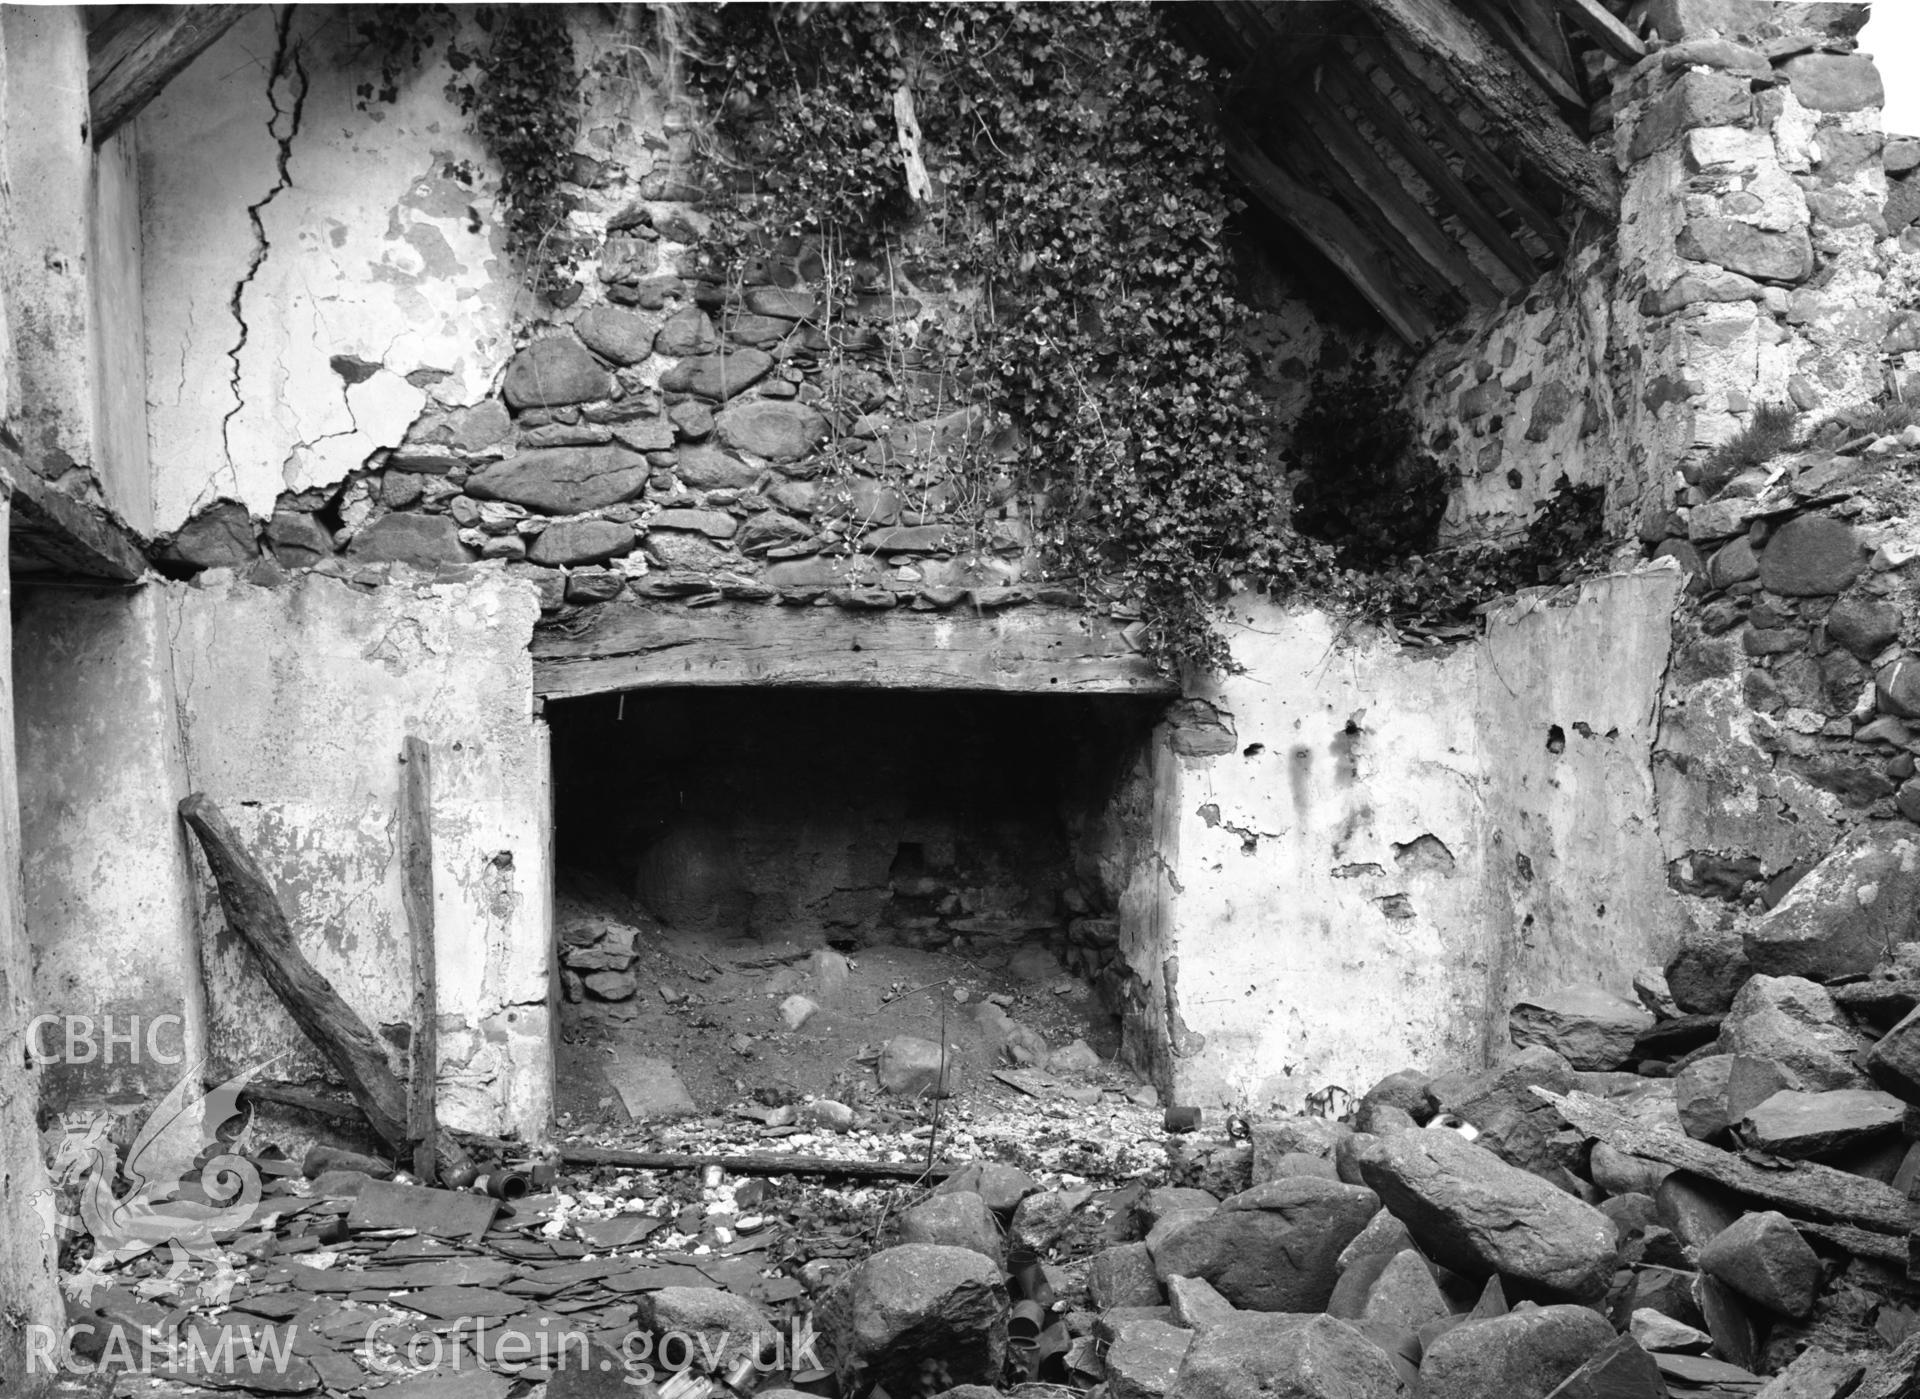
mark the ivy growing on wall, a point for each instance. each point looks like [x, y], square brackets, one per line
[1077, 182]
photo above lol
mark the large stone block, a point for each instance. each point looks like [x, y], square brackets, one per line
[424, 540]
[1522, 1355]
[582, 541]
[1812, 556]
[1772, 256]
[552, 372]
[1274, 1248]
[1286, 1357]
[1472, 1212]
[1835, 82]
[1694, 99]
[563, 480]
[1795, 1023]
[775, 428]
[913, 1304]
[1848, 913]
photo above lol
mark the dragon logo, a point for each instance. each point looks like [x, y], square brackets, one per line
[158, 1206]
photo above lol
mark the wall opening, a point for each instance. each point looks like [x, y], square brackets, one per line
[712, 829]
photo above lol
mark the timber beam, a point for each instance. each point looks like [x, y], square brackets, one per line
[632, 645]
[136, 50]
[54, 534]
[1512, 102]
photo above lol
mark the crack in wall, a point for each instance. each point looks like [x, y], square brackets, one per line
[284, 126]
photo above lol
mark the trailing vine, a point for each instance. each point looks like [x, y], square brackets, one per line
[1078, 183]
[523, 94]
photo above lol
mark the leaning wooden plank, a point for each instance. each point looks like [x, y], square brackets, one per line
[762, 1163]
[1511, 101]
[1322, 223]
[253, 912]
[1803, 1188]
[139, 49]
[1387, 191]
[1378, 111]
[1471, 148]
[1861, 1243]
[1605, 30]
[1894, 1375]
[416, 899]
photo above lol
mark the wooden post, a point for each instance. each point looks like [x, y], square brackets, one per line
[416, 896]
[253, 913]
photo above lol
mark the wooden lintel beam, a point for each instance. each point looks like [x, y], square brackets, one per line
[1603, 28]
[139, 49]
[1326, 226]
[1375, 181]
[1475, 64]
[1378, 111]
[630, 644]
[68, 536]
[1471, 149]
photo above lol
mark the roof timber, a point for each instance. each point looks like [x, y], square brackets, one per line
[1511, 101]
[1534, 38]
[1378, 110]
[1599, 24]
[1371, 179]
[1470, 145]
[136, 50]
[1329, 230]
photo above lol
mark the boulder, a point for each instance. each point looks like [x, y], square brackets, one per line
[1522, 1355]
[1512, 1121]
[1622, 1370]
[582, 541]
[1286, 1357]
[718, 376]
[1795, 1023]
[1001, 1188]
[1405, 1089]
[1700, 1093]
[1812, 556]
[1163, 1201]
[1123, 1276]
[553, 372]
[1274, 1248]
[1708, 970]
[701, 466]
[1143, 1357]
[563, 480]
[426, 541]
[1763, 1258]
[1835, 82]
[1588, 1027]
[1694, 1210]
[686, 332]
[1846, 915]
[1894, 1062]
[1044, 1217]
[962, 1220]
[911, 1304]
[221, 536]
[914, 1067]
[1806, 1125]
[1197, 1303]
[619, 336]
[1405, 1294]
[1472, 1212]
[1863, 625]
[778, 429]
[1286, 1136]
[727, 1327]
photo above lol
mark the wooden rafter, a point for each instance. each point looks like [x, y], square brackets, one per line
[1471, 148]
[1328, 228]
[1600, 25]
[1513, 102]
[1532, 34]
[1371, 179]
[1378, 111]
[136, 50]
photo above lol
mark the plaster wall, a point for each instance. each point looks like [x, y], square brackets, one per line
[109, 905]
[295, 701]
[288, 232]
[1387, 851]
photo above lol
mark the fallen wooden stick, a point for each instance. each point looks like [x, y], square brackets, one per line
[759, 1163]
[253, 911]
[1818, 1192]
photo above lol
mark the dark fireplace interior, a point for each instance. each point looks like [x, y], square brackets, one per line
[844, 816]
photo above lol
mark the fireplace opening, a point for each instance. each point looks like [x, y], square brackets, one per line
[732, 844]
